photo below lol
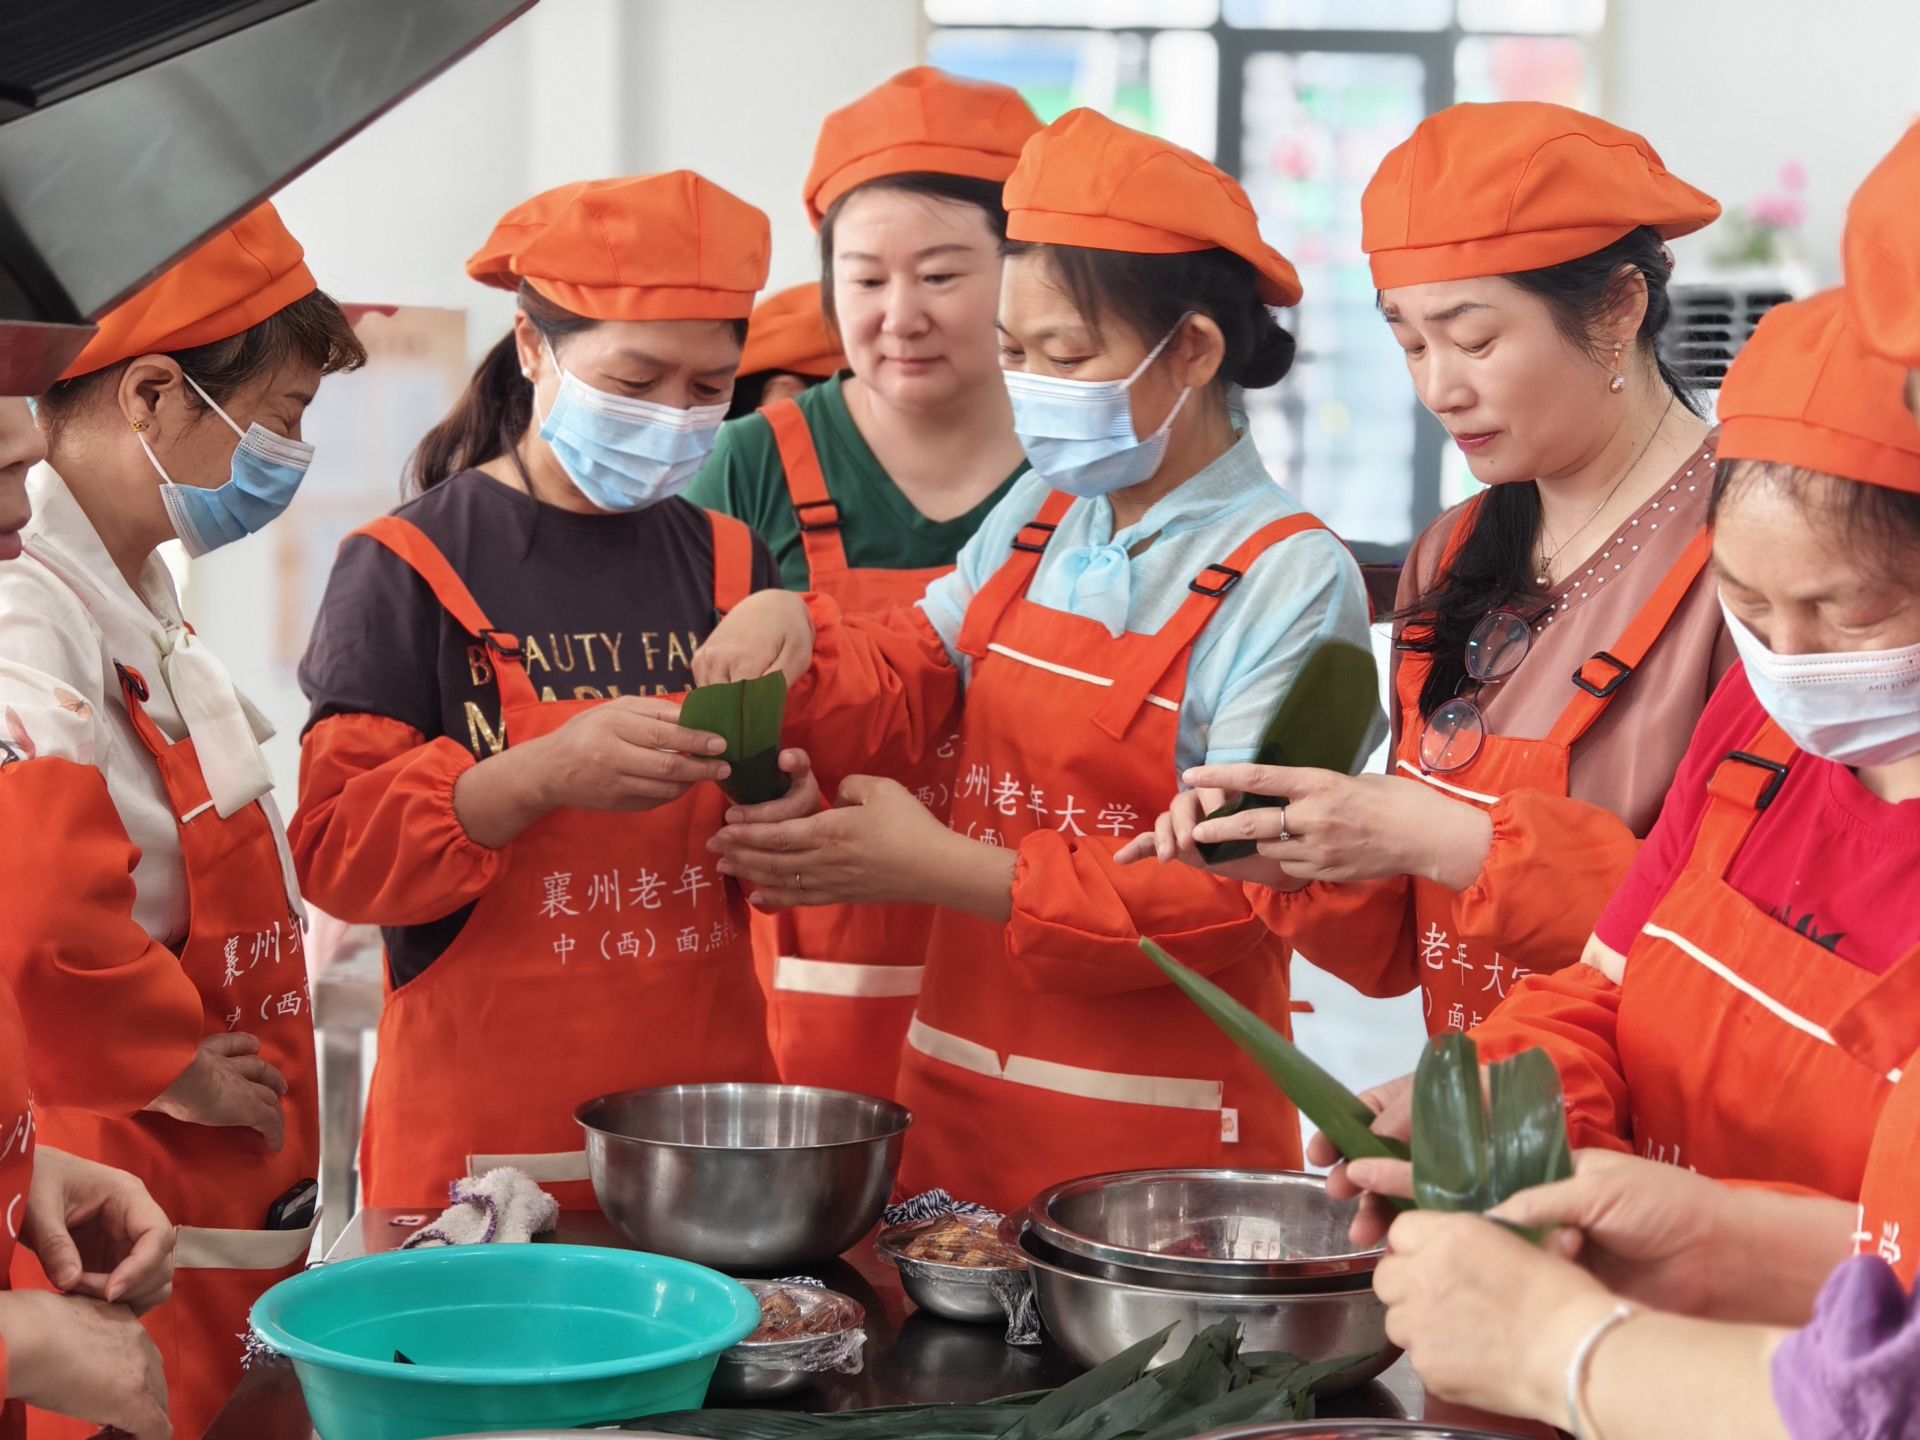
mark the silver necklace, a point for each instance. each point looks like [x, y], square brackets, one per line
[1544, 579]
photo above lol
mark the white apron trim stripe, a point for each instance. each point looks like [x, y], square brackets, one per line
[1464, 794]
[1746, 987]
[198, 1249]
[195, 813]
[828, 977]
[546, 1169]
[1072, 674]
[1161, 1090]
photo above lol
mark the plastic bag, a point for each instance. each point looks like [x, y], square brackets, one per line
[1010, 1284]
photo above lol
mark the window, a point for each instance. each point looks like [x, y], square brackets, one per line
[1301, 99]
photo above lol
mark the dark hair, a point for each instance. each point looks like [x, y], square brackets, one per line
[313, 328]
[984, 195]
[1149, 294]
[496, 408]
[1879, 523]
[750, 390]
[1494, 565]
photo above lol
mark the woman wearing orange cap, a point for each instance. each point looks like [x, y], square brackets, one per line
[1558, 634]
[789, 350]
[1749, 1005]
[1144, 598]
[153, 930]
[867, 486]
[489, 773]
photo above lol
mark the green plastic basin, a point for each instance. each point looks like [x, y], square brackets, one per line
[502, 1337]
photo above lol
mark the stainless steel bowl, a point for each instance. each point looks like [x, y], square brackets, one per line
[1093, 1320]
[1021, 1233]
[743, 1177]
[1350, 1430]
[969, 1293]
[1254, 1228]
[757, 1370]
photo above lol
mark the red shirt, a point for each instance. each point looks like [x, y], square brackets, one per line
[1828, 857]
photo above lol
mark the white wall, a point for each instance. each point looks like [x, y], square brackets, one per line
[1729, 89]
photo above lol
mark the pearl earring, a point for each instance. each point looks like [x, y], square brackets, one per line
[1619, 381]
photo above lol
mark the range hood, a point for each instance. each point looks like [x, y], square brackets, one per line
[130, 130]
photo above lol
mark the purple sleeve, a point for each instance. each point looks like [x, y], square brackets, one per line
[1854, 1373]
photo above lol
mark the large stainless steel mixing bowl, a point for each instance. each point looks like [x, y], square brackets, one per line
[743, 1177]
[1207, 1226]
[1093, 1320]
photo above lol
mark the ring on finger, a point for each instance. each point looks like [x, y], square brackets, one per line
[799, 881]
[1285, 834]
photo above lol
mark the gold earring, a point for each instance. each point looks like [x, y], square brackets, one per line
[139, 425]
[1619, 381]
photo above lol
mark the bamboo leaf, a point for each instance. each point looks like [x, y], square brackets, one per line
[748, 715]
[1339, 1114]
[1322, 723]
[1452, 1162]
[1529, 1129]
[1097, 1386]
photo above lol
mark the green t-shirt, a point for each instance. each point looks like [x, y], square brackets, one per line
[879, 526]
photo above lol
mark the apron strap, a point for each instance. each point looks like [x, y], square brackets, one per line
[1147, 659]
[424, 558]
[732, 560]
[1410, 675]
[1601, 676]
[1007, 584]
[133, 685]
[813, 506]
[1743, 784]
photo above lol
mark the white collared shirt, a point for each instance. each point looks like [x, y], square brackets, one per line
[66, 615]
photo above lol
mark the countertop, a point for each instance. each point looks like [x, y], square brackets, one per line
[911, 1358]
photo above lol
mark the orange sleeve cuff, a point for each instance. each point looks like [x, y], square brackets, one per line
[112, 1020]
[1574, 1015]
[376, 840]
[1078, 918]
[880, 695]
[1361, 932]
[1552, 867]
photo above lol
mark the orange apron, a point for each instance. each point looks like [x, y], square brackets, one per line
[1013, 1089]
[1458, 990]
[1736, 1032]
[1889, 1224]
[841, 980]
[217, 1184]
[16, 1170]
[609, 956]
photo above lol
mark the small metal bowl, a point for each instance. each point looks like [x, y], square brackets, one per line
[969, 1293]
[743, 1177]
[757, 1370]
[1093, 1320]
[1253, 1229]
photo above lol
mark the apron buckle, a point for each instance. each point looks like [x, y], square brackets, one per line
[1776, 775]
[830, 520]
[1037, 544]
[132, 680]
[1230, 577]
[1612, 683]
[502, 643]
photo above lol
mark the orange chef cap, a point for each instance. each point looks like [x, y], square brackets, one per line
[1806, 391]
[642, 247]
[1883, 255]
[922, 121]
[788, 332]
[1493, 189]
[248, 272]
[1088, 182]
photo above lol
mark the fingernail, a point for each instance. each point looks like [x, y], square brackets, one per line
[1203, 832]
[716, 745]
[724, 868]
[734, 817]
[724, 771]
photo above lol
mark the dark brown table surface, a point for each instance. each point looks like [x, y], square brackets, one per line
[911, 1357]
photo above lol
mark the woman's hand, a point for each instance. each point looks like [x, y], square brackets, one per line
[98, 1232]
[84, 1358]
[1171, 840]
[769, 630]
[1487, 1319]
[228, 1084]
[878, 844]
[1375, 1181]
[1350, 827]
[628, 754]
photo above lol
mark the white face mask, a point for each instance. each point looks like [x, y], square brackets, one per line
[1859, 707]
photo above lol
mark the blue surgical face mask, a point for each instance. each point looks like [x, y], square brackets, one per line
[625, 454]
[267, 469]
[1079, 434]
